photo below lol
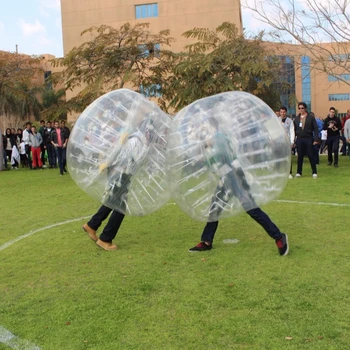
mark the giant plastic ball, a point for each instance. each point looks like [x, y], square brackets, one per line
[116, 152]
[226, 154]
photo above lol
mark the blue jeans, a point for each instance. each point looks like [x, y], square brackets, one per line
[51, 154]
[61, 158]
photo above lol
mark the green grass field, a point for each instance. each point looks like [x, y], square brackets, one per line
[60, 291]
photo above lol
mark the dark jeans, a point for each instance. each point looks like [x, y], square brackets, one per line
[51, 154]
[333, 147]
[235, 184]
[42, 148]
[112, 227]
[257, 214]
[29, 159]
[344, 146]
[61, 158]
[305, 147]
[317, 153]
[5, 159]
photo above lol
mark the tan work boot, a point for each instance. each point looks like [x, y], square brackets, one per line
[90, 232]
[106, 245]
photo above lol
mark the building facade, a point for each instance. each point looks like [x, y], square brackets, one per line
[176, 15]
[319, 77]
[318, 89]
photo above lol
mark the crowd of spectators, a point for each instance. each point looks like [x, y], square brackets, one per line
[313, 136]
[34, 148]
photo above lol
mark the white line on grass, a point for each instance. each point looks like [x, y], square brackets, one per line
[314, 203]
[12, 341]
[6, 245]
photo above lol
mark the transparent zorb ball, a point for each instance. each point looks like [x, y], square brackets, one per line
[116, 152]
[226, 154]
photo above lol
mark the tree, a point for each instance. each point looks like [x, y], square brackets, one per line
[221, 60]
[320, 28]
[111, 59]
[54, 103]
[19, 87]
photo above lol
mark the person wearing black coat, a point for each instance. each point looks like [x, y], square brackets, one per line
[306, 133]
[333, 126]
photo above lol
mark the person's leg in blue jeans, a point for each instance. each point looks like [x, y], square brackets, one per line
[59, 159]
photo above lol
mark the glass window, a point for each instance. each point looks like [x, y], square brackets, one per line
[146, 10]
[154, 90]
[306, 81]
[146, 50]
[339, 77]
[339, 97]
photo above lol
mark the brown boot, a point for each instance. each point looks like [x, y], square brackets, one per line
[106, 245]
[90, 232]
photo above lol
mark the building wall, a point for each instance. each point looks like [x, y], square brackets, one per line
[175, 15]
[314, 86]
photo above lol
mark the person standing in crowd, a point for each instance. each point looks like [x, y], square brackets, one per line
[10, 140]
[42, 146]
[35, 141]
[23, 155]
[51, 153]
[3, 150]
[59, 140]
[317, 146]
[26, 132]
[289, 128]
[347, 133]
[344, 150]
[333, 126]
[63, 126]
[19, 134]
[16, 137]
[323, 140]
[305, 127]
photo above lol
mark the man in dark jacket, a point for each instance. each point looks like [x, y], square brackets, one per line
[306, 133]
[333, 126]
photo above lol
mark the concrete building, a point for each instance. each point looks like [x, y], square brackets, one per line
[175, 15]
[318, 89]
[319, 77]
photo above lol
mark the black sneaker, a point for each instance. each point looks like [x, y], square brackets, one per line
[201, 247]
[282, 245]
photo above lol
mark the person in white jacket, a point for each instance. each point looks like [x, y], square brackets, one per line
[289, 128]
[347, 134]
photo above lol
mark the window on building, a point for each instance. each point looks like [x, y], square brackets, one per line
[154, 90]
[146, 10]
[341, 57]
[306, 81]
[339, 77]
[285, 84]
[48, 83]
[149, 49]
[339, 97]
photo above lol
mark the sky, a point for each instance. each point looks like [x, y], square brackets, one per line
[33, 25]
